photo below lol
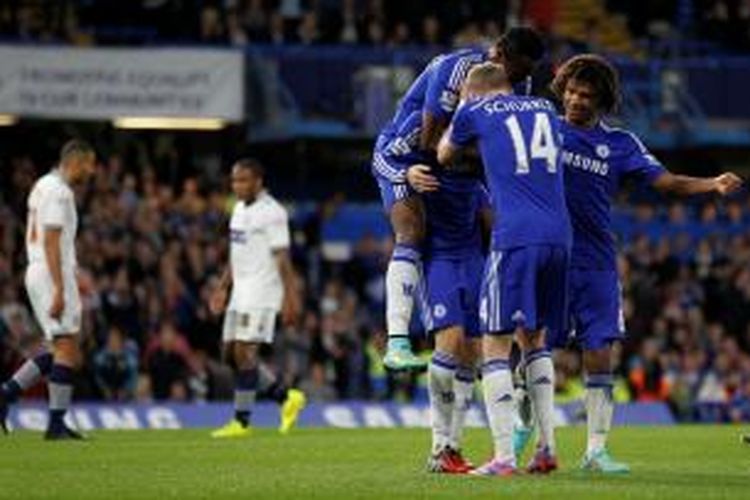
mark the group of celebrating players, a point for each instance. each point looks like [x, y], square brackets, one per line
[501, 212]
[500, 204]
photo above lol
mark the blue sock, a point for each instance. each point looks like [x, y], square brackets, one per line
[246, 384]
[60, 393]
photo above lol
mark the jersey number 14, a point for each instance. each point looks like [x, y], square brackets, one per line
[542, 146]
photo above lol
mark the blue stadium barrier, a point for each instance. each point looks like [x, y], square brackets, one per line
[354, 221]
[341, 415]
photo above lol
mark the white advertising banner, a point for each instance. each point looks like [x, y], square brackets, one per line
[110, 83]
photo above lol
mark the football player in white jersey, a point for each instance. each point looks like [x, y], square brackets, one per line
[52, 286]
[262, 283]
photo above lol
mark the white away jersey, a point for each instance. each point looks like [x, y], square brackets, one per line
[51, 203]
[255, 232]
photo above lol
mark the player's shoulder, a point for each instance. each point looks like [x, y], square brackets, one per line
[456, 65]
[469, 53]
[621, 137]
[51, 184]
[270, 205]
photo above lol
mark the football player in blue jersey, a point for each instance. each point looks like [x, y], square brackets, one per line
[519, 50]
[432, 97]
[458, 219]
[597, 158]
[525, 279]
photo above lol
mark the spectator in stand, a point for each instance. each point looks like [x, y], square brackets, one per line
[212, 26]
[116, 367]
[647, 376]
[167, 361]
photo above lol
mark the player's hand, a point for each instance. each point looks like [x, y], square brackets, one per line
[727, 183]
[290, 311]
[421, 179]
[217, 301]
[58, 305]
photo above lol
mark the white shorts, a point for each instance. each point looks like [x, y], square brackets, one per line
[250, 325]
[39, 288]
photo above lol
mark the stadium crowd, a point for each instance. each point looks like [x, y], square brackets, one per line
[151, 250]
[364, 22]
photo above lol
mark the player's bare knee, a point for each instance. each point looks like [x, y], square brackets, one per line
[497, 346]
[449, 340]
[471, 352]
[66, 351]
[407, 219]
[598, 361]
[532, 340]
[523, 341]
[245, 355]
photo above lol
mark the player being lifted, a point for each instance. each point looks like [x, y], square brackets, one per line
[453, 252]
[597, 159]
[432, 97]
[525, 278]
[52, 287]
[262, 279]
[456, 205]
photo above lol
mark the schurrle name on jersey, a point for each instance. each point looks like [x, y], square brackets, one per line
[585, 163]
[515, 106]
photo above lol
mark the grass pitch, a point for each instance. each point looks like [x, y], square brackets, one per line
[671, 462]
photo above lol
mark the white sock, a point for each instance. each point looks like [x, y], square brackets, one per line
[440, 378]
[401, 282]
[497, 384]
[540, 380]
[599, 409]
[463, 387]
[524, 413]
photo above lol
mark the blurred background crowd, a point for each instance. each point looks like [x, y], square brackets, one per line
[616, 25]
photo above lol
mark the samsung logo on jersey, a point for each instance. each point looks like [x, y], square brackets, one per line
[585, 163]
[501, 106]
[237, 236]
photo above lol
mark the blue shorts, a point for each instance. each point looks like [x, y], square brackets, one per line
[391, 192]
[525, 287]
[596, 317]
[389, 169]
[452, 293]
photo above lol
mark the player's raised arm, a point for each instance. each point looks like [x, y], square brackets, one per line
[685, 185]
[645, 166]
[441, 101]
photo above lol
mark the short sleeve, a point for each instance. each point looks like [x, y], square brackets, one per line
[462, 129]
[278, 229]
[639, 162]
[53, 208]
[440, 99]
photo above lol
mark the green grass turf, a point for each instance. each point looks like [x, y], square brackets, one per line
[673, 462]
